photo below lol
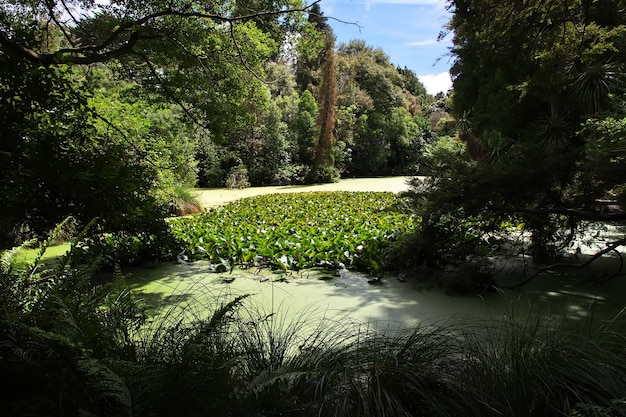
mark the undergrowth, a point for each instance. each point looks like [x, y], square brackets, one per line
[69, 347]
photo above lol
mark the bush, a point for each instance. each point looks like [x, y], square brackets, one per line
[327, 174]
[238, 177]
[292, 174]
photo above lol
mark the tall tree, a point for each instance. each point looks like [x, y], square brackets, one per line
[528, 78]
[305, 126]
[327, 102]
[311, 49]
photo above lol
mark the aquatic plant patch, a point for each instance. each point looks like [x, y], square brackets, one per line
[299, 230]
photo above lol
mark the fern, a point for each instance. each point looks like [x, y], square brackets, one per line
[221, 314]
[108, 391]
[52, 236]
[7, 260]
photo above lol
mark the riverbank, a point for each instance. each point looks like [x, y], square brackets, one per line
[213, 197]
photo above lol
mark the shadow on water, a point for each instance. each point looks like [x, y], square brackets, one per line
[348, 296]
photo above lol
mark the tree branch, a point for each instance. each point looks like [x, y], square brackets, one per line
[610, 247]
[580, 214]
[135, 30]
[240, 55]
[169, 94]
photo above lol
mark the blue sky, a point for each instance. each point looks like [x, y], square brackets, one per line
[406, 30]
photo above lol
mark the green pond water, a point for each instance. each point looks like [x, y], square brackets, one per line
[346, 296]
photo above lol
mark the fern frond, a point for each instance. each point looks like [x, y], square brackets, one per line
[106, 387]
[288, 379]
[220, 315]
[53, 235]
[7, 260]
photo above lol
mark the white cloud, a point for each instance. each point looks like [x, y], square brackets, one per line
[436, 83]
[427, 42]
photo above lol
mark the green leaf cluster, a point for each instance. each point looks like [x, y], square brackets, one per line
[300, 230]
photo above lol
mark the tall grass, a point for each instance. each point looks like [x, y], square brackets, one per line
[253, 362]
[537, 367]
[75, 349]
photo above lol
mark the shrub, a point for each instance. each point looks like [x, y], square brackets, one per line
[238, 177]
[184, 202]
[326, 174]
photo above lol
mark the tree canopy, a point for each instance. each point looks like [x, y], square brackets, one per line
[539, 98]
[137, 101]
[89, 32]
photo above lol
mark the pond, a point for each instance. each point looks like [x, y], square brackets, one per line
[212, 197]
[393, 303]
[349, 296]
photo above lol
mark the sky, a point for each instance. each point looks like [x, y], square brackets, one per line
[406, 30]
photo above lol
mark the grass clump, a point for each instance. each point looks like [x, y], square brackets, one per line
[183, 201]
[541, 368]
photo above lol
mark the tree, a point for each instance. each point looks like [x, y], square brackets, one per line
[185, 62]
[533, 84]
[159, 131]
[383, 134]
[54, 164]
[306, 129]
[114, 30]
[324, 158]
[311, 48]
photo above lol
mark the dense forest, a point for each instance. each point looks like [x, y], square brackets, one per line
[137, 107]
[112, 112]
[539, 103]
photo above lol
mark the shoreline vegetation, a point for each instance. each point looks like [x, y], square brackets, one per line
[111, 350]
[75, 349]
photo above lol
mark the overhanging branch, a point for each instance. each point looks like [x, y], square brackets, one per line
[609, 248]
[580, 214]
[128, 34]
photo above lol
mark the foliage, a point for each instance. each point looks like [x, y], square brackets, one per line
[380, 122]
[311, 48]
[604, 156]
[294, 231]
[113, 136]
[132, 102]
[158, 131]
[116, 30]
[306, 129]
[70, 347]
[55, 163]
[57, 330]
[534, 356]
[535, 85]
[238, 177]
